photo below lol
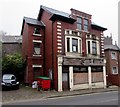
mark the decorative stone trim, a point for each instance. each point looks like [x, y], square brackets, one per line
[59, 38]
[37, 66]
[38, 41]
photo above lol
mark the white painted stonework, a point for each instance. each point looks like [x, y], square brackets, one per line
[59, 23]
[59, 30]
[98, 85]
[58, 26]
[58, 33]
[80, 86]
[60, 74]
[71, 78]
[104, 75]
[59, 37]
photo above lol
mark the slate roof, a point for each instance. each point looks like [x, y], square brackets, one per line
[33, 21]
[111, 47]
[95, 26]
[56, 14]
[11, 39]
[53, 11]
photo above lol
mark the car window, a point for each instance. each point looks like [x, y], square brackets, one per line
[13, 77]
[6, 77]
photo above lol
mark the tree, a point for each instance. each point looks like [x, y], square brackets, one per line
[13, 64]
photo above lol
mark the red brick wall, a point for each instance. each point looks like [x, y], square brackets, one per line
[25, 41]
[48, 42]
[112, 78]
[27, 52]
[52, 51]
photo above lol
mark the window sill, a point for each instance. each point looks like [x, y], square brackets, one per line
[36, 34]
[37, 55]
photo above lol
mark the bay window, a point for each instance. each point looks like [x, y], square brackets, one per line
[73, 44]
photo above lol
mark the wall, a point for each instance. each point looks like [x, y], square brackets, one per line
[11, 48]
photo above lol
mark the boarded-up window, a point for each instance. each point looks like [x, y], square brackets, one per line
[80, 78]
[97, 76]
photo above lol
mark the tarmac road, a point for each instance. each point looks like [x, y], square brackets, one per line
[102, 98]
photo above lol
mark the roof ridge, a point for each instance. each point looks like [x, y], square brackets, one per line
[48, 9]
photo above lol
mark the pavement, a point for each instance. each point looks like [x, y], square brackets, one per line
[28, 93]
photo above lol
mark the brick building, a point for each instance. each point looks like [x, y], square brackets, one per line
[68, 48]
[11, 44]
[112, 54]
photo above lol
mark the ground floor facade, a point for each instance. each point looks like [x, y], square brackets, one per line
[79, 73]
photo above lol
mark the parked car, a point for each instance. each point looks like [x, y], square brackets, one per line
[9, 81]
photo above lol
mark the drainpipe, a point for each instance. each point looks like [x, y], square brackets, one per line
[52, 55]
[44, 54]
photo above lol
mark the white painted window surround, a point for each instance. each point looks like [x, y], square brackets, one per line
[38, 41]
[97, 46]
[113, 55]
[79, 45]
[37, 48]
[36, 66]
[114, 70]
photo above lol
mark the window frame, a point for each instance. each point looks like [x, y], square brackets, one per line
[79, 23]
[34, 43]
[115, 55]
[94, 48]
[79, 48]
[113, 72]
[86, 24]
[74, 46]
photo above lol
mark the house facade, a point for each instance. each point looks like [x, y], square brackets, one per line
[33, 48]
[11, 44]
[73, 48]
[112, 54]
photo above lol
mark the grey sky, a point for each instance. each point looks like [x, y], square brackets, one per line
[104, 12]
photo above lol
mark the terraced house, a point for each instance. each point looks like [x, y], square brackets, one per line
[68, 48]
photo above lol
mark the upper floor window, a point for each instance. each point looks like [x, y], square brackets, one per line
[88, 46]
[75, 45]
[79, 23]
[68, 44]
[114, 70]
[36, 47]
[86, 24]
[113, 55]
[94, 48]
[37, 30]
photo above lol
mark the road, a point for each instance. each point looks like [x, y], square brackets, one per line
[104, 98]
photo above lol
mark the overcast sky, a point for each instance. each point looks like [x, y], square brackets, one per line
[104, 12]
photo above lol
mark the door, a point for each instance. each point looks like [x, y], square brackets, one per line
[65, 81]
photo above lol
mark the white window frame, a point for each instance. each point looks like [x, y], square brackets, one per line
[113, 57]
[36, 34]
[98, 46]
[72, 37]
[37, 41]
[113, 72]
